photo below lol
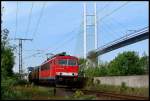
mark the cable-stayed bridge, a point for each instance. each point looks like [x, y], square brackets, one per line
[134, 37]
[137, 36]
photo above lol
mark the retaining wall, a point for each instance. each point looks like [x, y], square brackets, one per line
[130, 81]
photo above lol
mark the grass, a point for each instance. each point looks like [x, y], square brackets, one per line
[33, 92]
[142, 91]
[79, 95]
[29, 92]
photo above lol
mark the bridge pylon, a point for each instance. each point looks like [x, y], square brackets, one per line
[90, 25]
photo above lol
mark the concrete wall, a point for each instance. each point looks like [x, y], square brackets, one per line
[131, 81]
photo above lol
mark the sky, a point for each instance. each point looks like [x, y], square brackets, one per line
[57, 26]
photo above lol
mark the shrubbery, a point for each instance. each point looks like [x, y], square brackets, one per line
[126, 63]
[8, 78]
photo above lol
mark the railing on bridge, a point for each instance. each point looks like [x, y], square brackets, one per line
[128, 36]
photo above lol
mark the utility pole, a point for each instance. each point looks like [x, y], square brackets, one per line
[20, 53]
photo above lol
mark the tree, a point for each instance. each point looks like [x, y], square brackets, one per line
[7, 56]
[144, 62]
[82, 61]
[126, 63]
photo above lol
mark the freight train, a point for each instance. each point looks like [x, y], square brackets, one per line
[59, 69]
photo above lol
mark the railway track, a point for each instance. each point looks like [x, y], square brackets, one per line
[65, 90]
[112, 95]
[107, 94]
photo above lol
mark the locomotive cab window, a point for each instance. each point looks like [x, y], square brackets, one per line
[62, 62]
[67, 62]
[72, 62]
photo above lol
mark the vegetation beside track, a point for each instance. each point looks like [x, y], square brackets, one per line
[29, 92]
[79, 95]
[123, 89]
[124, 64]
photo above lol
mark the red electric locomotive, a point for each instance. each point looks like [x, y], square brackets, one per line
[60, 68]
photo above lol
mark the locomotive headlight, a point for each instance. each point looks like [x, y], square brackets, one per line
[75, 74]
[60, 73]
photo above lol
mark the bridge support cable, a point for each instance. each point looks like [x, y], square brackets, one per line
[118, 8]
[105, 32]
[102, 9]
[113, 32]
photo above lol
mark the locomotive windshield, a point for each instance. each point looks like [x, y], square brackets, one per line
[71, 62]
[62, 62]
[67, 62]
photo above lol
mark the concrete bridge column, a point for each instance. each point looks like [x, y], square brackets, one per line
[92, 62]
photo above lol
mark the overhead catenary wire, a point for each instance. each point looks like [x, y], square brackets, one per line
[67, 34]
[29, 21]
[71, 39]
[42, 51]
[16, 18]
[38, 22]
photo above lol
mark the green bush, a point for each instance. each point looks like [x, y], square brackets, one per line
[126, 63]
[6, 88]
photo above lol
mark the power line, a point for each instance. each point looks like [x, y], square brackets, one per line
[32, 55]
[38, 22]
[70, 39]
[66, 35]
[16, 19]
[49, 48]
[113, 11]
[29, 21]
